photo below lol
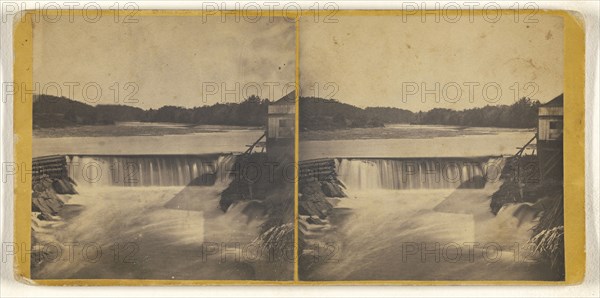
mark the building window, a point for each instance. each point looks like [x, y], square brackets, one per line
[556, 125]
[286, 128]
[286, 122]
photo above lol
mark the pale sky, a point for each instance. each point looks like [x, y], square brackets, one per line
[364, 61]
[378, 61]
[166, 58]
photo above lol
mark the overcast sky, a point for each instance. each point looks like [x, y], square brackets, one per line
[167, 58]
[379, 61]
[364, 61]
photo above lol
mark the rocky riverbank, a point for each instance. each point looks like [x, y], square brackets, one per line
[316, 203]
[46, 201]
[48, 197]
[542, 200]
[265, 184]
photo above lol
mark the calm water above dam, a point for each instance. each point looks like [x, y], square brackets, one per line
[160, 138]
[447, 141]
[144, 139]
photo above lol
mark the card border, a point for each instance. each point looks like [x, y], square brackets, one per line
[574, 152]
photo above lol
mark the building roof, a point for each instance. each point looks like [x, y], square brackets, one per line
[556, 102]
[288, 99]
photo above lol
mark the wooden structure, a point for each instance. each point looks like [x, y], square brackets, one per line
[550, 120]
[550, 139]
[54, 166]
[282, 118]
[316, 169]
[257, 144]
[528, 146]
[281, 127]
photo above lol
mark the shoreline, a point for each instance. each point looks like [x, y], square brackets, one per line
[133, 129]
[401, 131]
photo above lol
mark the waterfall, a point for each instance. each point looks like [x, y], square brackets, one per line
[147, 170]
[418, 173]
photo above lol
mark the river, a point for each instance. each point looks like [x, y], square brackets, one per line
[419, 209]
[136, 138]
[385, 230]
[440, 141]
[136, 217]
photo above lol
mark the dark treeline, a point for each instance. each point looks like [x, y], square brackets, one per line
[315, 114]
[521, 114]
[250, 112]
[326, 114]
[52, 111]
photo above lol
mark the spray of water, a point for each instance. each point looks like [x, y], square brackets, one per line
[163, 230]
[412, 227]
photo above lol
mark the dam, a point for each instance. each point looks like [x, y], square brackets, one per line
[414, 218]
[160, 212]
[419, 173]
[167, 202]
[132, 170]
[147, 170]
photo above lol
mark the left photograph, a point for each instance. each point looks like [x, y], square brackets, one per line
[163, 149]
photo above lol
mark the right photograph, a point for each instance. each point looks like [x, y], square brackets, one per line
[431, 147]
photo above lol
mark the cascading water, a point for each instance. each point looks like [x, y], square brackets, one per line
[424, 173]
[423, 219]
[165, 170]
[155, 228]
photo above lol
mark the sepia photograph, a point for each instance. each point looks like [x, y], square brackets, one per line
[431, 150]
[163, 148]
[316, 147]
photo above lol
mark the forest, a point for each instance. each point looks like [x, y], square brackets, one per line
[52, 111]
[315, 114]
[326, 114]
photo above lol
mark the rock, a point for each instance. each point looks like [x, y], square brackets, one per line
[314, 207]
[332, 190]
[48, 194]
[63, 186]
[473, 183]
[38, 204]
[44, 216]
[204, 180]
[311, 191]
[340, 183]
[315, 220]
[324, 207]
[42, 184]
[55, 205]
[304, 208]
[70, 180]
[42, 205]
[311, 188]
[254, 210]
[229, 196]
[46, 202]
[327, 188]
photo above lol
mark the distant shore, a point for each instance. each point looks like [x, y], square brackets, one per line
[123, 129]
[402, 131]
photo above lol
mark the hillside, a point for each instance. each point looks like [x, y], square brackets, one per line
[315, 114]
[54, 112]
[326, 114]
[329, 114]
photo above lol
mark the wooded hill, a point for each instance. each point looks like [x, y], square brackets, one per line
[315, 114]
[326, 114]
[52, 111]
